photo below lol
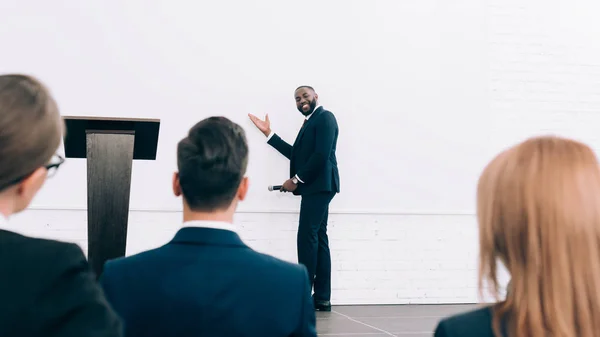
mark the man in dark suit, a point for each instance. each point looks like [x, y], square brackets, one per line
[313, 175]
[47, 287]
[206, 281]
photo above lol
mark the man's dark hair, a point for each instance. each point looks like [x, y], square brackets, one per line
[306, 86]
[212, 161]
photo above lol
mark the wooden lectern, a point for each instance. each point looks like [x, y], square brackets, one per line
[110, 145]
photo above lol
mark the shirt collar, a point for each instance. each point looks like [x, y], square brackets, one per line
[307, 117]
[210, 224]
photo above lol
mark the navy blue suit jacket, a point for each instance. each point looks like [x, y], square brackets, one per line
[207, 282]
[312, 157]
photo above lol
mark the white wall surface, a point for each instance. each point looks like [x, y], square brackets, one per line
[387, 69]
[425, 92]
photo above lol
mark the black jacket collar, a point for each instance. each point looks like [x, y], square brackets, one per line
[207, 236]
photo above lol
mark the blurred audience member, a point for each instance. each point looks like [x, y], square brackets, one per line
[46, 287]
[206, 281]
[538, 208]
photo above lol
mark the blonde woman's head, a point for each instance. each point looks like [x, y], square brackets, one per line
[538, 206]
[30, 133]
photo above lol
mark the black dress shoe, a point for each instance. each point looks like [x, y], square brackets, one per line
[322, 305]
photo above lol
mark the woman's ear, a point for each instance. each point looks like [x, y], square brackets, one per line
[27, 189]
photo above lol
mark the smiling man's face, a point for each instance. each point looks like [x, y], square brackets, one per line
[306, 100]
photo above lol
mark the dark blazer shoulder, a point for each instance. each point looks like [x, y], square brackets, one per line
[279, 263]
[47, 253]
[326, 114]
[326, 121]
[476, 323]
[116, 266]
[47, 260]
[149, 256]
[58, 288]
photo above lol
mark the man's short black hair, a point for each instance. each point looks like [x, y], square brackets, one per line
[212, 161]
[305, 86]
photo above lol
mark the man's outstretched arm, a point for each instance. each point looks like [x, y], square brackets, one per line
[280, 145]
[272, 139]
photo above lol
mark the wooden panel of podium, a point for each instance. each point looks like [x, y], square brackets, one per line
[109, 145]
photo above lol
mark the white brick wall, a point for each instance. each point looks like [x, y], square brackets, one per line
[377, 258]
[544, 70]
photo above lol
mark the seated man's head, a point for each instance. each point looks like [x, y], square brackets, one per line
[212, 162]
[30, 133]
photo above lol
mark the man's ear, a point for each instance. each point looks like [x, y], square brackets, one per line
[243, 189]
[316, 96]
[176, 184]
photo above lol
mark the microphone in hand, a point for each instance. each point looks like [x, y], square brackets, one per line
[288, 186]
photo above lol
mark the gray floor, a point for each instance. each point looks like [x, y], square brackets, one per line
[376, 321]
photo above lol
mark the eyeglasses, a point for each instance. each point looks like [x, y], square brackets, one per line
[51, 169]
[54, 164]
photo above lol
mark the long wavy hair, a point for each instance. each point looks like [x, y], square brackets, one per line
[538, 206]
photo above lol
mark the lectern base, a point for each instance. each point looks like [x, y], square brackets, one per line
[109, 161]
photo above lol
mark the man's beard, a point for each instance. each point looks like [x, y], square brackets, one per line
[312, 105]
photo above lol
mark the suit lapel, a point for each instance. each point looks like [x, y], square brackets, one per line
[310, 120]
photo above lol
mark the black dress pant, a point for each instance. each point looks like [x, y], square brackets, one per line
[313, 243]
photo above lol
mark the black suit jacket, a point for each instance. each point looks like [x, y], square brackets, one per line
[312, 157]
[48, 289]
[207, 282]
[476, 323]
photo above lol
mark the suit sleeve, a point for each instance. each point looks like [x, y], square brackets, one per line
[280, 145]
[73, 304]
[307, 325]
[325, 137]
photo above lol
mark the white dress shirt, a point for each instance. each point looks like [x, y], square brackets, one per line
[307, 117]
[210, 224]
[3, 222]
